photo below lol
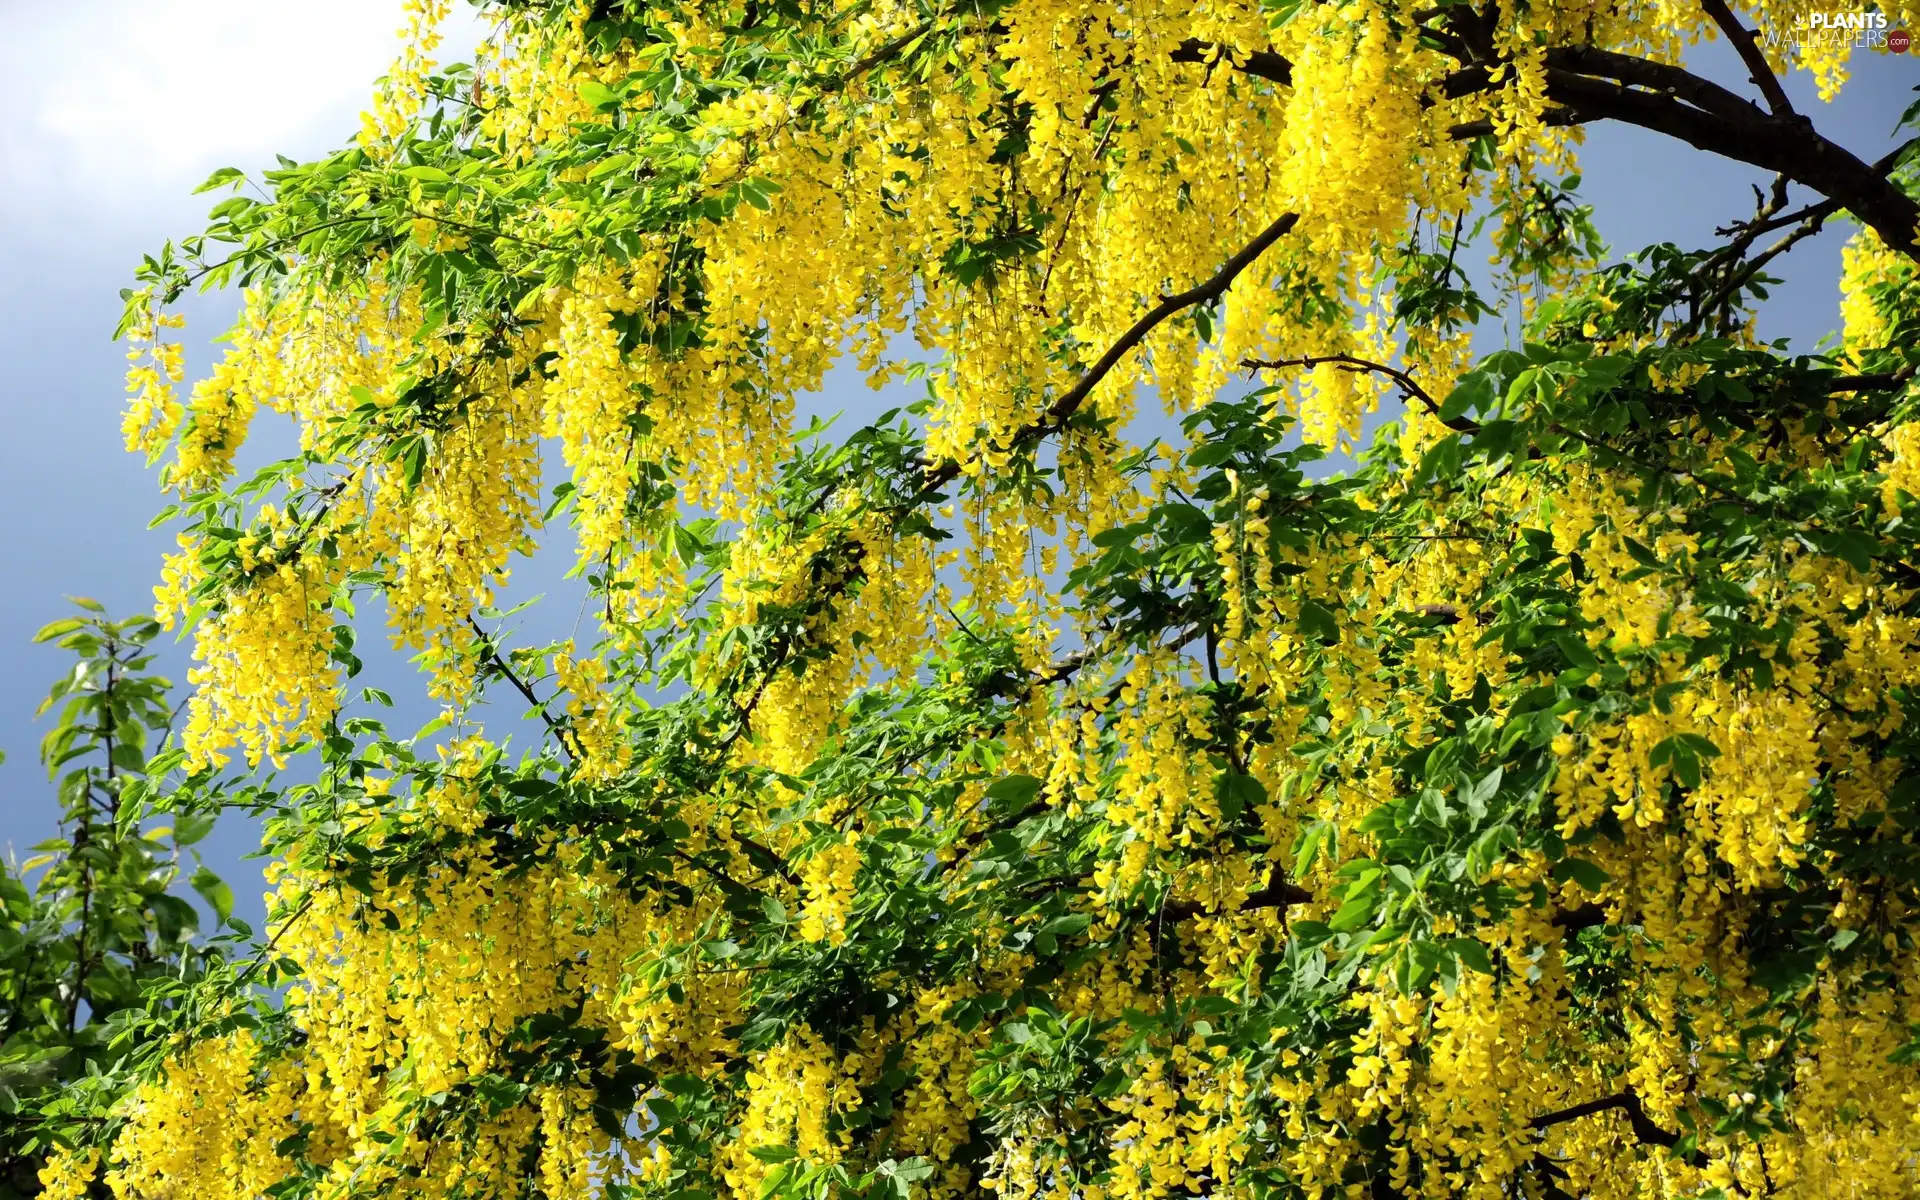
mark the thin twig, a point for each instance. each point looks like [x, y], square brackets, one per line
[1353, 363]
[490, 654]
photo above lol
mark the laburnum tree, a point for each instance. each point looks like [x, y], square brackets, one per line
[998, 798]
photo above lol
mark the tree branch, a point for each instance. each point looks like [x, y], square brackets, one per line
[1626, 1101]
[1573, 920]
[1748, 48]
[1262, 63]
[1590, 84]
[1739, 274]
[490, 654]
[773, 862]
[883, 54]
[1277, 893]
[1349, 362]
[1062, 409]
[1554, 118]
[1884, 381]
[1601, 85]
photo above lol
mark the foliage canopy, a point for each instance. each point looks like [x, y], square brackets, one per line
[96, 937]
[995, 798]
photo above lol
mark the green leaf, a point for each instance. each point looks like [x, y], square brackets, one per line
[1682, 755]
[58, 628]
[215, 892]
[189, 828]
[1068, 925]
[1317, 622]
[1236, 793]
[224, 175]
[1306, 846]
[610, 164]
[598, 95]
[1013, 792]
[1473, 393]
[1472, 952]
[413, 462]
[500, 1093]
[1582, 872]
[1857, 550]
[1353, 913]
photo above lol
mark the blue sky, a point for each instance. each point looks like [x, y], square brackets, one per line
[118, 108]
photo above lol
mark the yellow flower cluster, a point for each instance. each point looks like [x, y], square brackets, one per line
[829, 879]
[198, 1126]
[593, 717]
[264, 672]
[157, 366]
[69, 1173]
[398, 101]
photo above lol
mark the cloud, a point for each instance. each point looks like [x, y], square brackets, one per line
[103, 94]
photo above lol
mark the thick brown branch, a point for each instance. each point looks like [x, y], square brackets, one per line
[1884, 381]
[1587, 916]
[1586, 83]
[1601, 85]
[1553, 117]
[1659, 78]
[1262, 63]
[1278, 893]
[1627, 1102]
